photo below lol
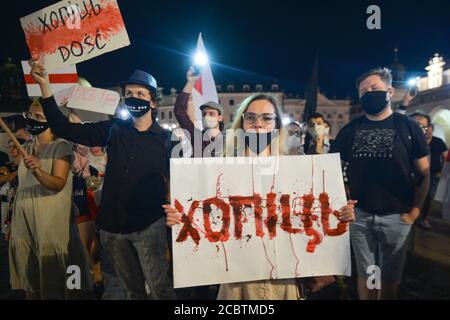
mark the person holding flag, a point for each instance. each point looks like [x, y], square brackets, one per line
[207, 142]
[205, 132]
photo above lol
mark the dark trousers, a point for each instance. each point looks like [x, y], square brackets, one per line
[139, 258]
[425, 212]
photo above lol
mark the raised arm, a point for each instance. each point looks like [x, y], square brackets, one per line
[89, 134]
[181, 106]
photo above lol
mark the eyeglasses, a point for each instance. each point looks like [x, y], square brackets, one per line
[294, 133]
[29, 115]
[266, 118]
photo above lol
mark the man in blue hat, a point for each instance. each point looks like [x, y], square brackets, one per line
[131, 219]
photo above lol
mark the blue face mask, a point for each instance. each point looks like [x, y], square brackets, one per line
[137, 107]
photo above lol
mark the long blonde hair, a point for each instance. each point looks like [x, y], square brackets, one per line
[232, 141]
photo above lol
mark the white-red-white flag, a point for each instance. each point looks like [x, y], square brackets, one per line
[205, 89]
[59, 79]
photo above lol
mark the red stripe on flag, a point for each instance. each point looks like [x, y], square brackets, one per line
[55, 78]
[198, 86]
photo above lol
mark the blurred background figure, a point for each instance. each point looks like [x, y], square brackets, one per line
[318, 139]
[438, 152]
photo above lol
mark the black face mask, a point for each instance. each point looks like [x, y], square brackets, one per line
[35, 127]
[374, 102]
[258, 141]
[137, 107]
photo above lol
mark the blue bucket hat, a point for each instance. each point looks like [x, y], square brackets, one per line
[142, 78]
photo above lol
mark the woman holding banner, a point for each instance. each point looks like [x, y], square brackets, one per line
[44, 242]
[258, 131]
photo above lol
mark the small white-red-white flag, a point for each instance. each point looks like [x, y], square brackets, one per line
[59, 79]
[205, 89]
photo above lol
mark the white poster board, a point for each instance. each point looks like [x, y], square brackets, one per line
[89, 99]
[277, 219]
[72, 31]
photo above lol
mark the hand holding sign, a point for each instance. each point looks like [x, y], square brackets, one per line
[40, 75]
[69, 32]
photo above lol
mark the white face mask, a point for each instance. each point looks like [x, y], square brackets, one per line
[318, 131]
[293, 142]
[210, 122]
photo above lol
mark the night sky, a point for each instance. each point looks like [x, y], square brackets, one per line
[258, 41]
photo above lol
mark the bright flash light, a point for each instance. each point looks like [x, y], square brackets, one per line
[412, 82]
[124, 114]
[200, 59]
[286, 121]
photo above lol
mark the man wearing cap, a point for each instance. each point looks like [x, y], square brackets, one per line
[206, 143]
[131, 219]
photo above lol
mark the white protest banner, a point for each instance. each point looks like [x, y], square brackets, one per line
[89, 99]
[247, 219]
[62, 97]
[60, 79]
[72, 31]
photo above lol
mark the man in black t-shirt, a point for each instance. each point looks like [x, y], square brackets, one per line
[388, 174]
[438, 152]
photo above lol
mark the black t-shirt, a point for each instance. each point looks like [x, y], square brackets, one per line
[380, 158]
[437, 147]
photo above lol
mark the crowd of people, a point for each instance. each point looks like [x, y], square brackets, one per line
[84, 187]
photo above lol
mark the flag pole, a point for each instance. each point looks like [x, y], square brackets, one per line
[16, 142]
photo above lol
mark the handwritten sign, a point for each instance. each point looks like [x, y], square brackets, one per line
[89, 99]
[72, 31]
[60, 79]
[247, 219]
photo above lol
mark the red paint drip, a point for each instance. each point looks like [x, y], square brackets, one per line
[272, 217]
[258, 210]
[302, 206]
[308, 201]
[295, 256]
[187, 228]
[225, 254]
[224, 234]
[237, 203]
[268, 260]
[326, 210]
[286, 224]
